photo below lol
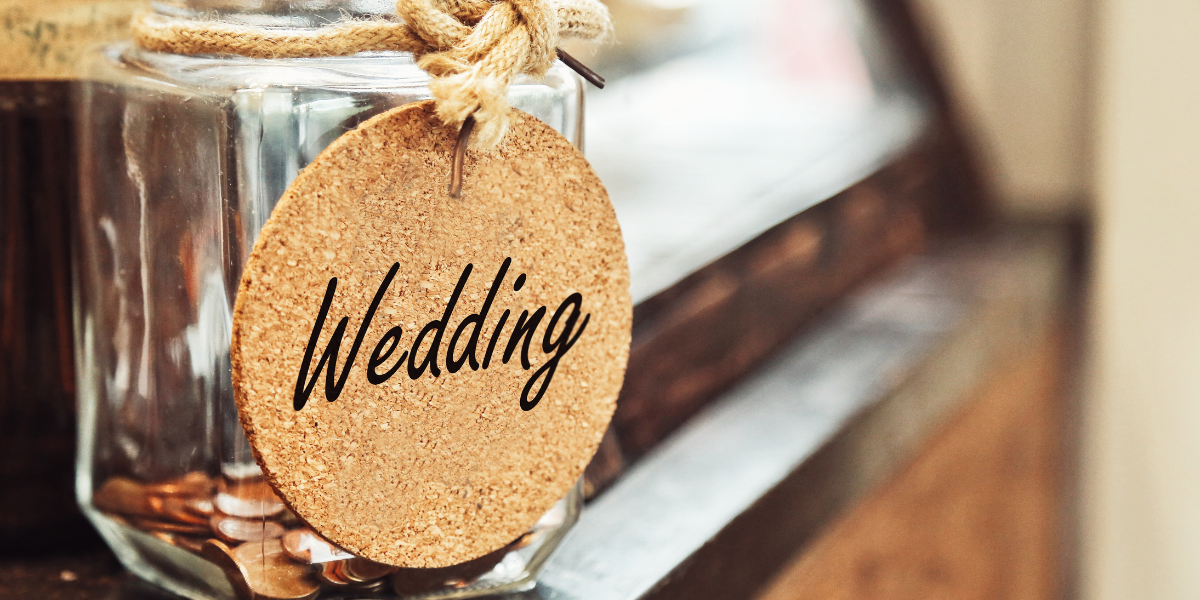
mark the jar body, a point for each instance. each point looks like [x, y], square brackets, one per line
[182, 161]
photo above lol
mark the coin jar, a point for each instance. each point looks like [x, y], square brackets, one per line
[182, 160]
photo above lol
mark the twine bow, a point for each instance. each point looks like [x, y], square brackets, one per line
[472, 49]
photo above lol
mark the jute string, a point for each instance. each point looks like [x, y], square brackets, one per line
[472, 49]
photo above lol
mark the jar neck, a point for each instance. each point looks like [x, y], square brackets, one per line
[276, 13]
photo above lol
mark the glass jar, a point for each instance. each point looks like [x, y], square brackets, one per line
[182, 161]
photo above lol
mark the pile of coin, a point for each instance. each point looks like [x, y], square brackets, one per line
[265, 551]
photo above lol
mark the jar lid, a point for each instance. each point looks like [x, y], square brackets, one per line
[422, 377]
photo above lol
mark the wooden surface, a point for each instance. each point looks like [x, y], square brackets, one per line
[975, 516]
[696, 339]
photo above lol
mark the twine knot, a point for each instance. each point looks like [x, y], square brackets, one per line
[472, 49]
[475, 48]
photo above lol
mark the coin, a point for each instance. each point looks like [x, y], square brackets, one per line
[306, 546]
[219, 554]
[194, 483]
[361, 570]
[248, 499]
[164, 536]
[189, 543]
[235, 530]
[169, 526]
[124, 496]
[271, 575]
[330, 573]
[201, 507]
[372, 587]
[175, 508]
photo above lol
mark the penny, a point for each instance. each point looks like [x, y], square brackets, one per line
[361, 570]
[271, 575]
[372, 587]
[235, 530]
[163, 536]
[248, 499]
[201, 507]
[189, 543]
[124, 496]
[170, 527]
[305, 546]
[194, 483]
[175, 509]
[219, 554]
[331, 574]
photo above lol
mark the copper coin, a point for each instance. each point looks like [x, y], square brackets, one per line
[194, 483]
[361, 570]
[371, 587]
[163, 536]
[272, 575]
[201, 507]
[189, 543]
[170, 527]
[330, 573]
[155, 503]
[248, 499]
[236, 531]
[175, 509]
[219, 554]
[124, 496]
[306, 546]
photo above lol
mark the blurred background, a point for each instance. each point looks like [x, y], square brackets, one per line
[1085, 110]
[777, 157]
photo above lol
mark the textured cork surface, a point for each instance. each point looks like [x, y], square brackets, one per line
[52, 39]
[433, 471]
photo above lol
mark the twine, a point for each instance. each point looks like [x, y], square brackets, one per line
[472, 49]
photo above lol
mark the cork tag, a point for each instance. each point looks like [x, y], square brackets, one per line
[423, 377]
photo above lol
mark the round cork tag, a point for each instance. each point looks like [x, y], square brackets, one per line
[423, 377]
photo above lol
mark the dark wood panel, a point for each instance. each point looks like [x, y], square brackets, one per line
[964, 200]
[697, 338]
[37, 377]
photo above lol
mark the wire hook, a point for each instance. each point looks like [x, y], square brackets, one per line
[460, 156]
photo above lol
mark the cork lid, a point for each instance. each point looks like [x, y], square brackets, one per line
[51, 39]
[422, 377]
